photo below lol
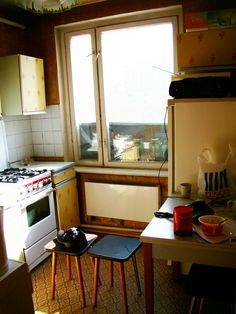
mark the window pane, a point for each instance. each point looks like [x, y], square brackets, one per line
[137, 67]
[83, 95]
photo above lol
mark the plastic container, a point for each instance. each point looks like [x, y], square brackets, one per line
[183, 220]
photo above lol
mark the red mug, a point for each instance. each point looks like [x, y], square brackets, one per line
[183, 220]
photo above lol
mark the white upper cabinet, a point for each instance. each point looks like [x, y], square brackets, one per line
[22, 87]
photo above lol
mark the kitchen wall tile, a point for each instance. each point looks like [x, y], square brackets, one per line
[19, 139]
[47, 124]
[59, 150]
[48, 137]
[37, 137]
[28, 138]
[12, 155]
[23, 126]
[10, 127]
[11, 141]
[55, 111]
[36, 125]
[57, 137]
[24, 151]
[38, 150]
[49, 150]
[56, 124]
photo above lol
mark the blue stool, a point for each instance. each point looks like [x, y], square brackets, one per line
[115, 249]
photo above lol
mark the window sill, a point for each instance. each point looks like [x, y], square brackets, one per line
[124, 172]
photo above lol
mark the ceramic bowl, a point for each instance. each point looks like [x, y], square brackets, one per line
[212, 225]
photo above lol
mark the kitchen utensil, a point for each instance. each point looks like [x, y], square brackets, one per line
[163, 215]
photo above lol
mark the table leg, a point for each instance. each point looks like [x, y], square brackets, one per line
[148, 278]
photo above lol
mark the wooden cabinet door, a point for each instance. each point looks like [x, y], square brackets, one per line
[32, 84]
[67, 205]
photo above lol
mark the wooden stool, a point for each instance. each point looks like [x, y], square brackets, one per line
[115, 249]
[57, 248]
[211, 282]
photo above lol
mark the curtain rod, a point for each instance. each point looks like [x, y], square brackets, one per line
[5, 21]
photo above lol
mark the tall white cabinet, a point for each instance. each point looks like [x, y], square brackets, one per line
[195, 124]
[22, 87]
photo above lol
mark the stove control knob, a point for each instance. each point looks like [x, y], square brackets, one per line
[29, 188]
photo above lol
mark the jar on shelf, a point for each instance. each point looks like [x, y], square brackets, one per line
[155, 149]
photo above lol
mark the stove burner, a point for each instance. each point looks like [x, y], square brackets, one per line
[14, 175]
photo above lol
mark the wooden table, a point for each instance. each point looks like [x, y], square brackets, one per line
[159, 241]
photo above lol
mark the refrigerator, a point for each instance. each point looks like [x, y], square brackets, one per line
[195, 124]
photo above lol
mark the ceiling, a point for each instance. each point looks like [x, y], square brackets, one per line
[22, 11]
[44, 6]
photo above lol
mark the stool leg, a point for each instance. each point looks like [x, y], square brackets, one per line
[123, 287]
[201, 305]
[196, 305]
[93, 265]
[95, 281]
[54, 267]
[68, 266]
[192, 305]
[111, 273]
[80, 277]
[136, 273]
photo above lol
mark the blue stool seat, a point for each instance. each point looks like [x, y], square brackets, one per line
[115, 249]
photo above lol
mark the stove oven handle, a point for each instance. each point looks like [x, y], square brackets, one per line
[36, 197]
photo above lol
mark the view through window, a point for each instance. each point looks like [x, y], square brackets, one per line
[120, 77]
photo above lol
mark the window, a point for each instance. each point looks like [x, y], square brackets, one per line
[118, 85]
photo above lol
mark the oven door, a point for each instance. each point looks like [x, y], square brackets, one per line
[37, 217]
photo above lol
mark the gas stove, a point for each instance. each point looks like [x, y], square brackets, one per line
[14, 175]
[24, 182]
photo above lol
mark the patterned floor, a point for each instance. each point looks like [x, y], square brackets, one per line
[170, 297]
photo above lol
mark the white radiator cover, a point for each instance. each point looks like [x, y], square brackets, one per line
[129, 202]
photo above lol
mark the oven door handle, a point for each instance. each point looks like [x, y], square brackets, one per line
[36, 197]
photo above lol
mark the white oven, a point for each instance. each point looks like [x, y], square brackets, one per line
[28, 225]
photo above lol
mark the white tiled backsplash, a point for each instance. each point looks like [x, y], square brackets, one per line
[35, 135]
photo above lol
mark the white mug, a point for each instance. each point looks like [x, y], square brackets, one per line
[185, 189]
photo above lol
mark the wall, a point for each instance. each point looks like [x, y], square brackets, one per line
[36, 135]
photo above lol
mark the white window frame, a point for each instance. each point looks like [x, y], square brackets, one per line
[62, 35]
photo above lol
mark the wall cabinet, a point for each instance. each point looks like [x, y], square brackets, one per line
[213, 48]
[22, 87]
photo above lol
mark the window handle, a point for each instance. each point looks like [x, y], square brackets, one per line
[96, 55]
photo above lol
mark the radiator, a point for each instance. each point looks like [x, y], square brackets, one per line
[129, 202]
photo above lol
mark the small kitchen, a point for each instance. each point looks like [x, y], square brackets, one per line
[44, 186]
